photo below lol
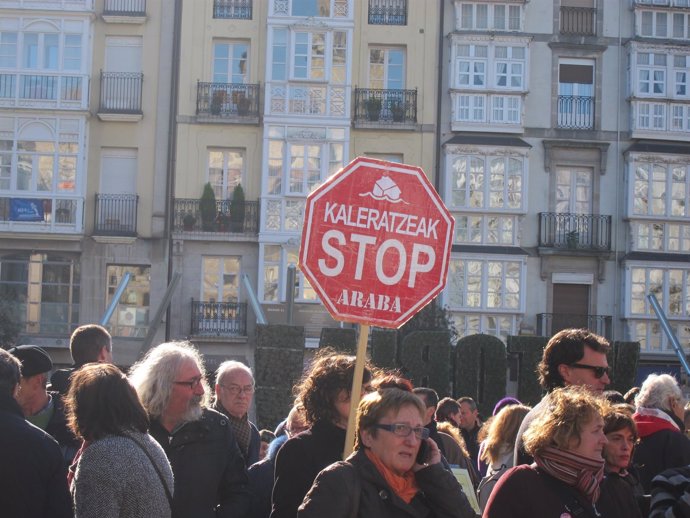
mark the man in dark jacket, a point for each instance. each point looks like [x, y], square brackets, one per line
[33, 476]
[89, 343]
[234, 393]
[210, 476]
[40, 407]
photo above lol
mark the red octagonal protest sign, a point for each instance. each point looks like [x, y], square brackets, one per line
[376, 242]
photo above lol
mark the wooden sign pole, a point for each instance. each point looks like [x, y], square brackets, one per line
[356, 392]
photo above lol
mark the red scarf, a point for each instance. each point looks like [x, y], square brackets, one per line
[652, 420]
[405, 486]
[583, 473]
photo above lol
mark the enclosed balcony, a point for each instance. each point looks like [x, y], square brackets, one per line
[219, 318]
[53, 215]
[227, 101]
[578, 21]
[233, 9]
[43, 91]
[575, 112]
[392, 108]
[575, 231]
[116, 215]
[550, 323]
[228, 217]
[387, 12]
[120, 96]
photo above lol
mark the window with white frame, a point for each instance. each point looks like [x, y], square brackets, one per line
[225, 171]
[220, 279]
[661, 236]
[309, 55]
[312, 8]
[386, 68]
[131, 315]
[500, 326]
[485, 284]
[8, 49]
[486, 182]
[489, 16]
[485, 229]
[651, 73]
[276, 259]
[494, 65]
[651, 116]
[660, 189]
[663, 24]
[671, 287]
[230, 62]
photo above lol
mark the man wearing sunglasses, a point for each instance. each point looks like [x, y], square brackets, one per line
[571, 357]
[234, 394]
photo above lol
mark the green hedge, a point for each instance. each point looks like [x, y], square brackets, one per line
[623, 360]
[480, 370]
[425, 359]
[341, 339]
[279, 360]
[529, 350]
[383, 348]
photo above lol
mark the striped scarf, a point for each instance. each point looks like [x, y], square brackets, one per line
[583, 473]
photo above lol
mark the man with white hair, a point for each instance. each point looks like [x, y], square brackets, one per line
[234, 393]
[659, 420]
[210, 476]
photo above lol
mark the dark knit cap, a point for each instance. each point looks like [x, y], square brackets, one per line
[34, 360]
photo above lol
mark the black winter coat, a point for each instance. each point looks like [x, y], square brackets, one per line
[299, 461]
[33, 475]
[617, 498]
[335, 490]
[658, 452]
[210, 476]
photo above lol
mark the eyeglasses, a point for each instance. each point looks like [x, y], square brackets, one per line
[192, 384]
[404, 430]
[598, 371]
[237, 389]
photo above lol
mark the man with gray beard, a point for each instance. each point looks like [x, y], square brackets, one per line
[210, 476]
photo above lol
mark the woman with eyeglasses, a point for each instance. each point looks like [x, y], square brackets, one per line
[566, 441]
[384, 478]
[659, 419]
[325, 394]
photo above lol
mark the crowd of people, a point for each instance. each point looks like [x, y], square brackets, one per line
[160, 441]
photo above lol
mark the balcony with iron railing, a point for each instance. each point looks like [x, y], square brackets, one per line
[116, 215]
[124, 8]
[228, 218]
[578, 21]
[387, 12]
[590, 232]
[55, 91]
[121, 95]
[391, 108]
[550, 323]
[52, 215]
[219, 318]
[575, 112]
[233, 9]
[228, 101]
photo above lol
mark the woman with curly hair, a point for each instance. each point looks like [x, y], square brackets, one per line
[325, 394]
[566, 441]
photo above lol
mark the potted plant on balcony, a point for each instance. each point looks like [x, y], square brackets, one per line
[188, 221]
[207, 208]
[237, 209]
[243, 104]
[572, 239]
[222, 222]
[217, 101]
[398, 111]
[373, 107]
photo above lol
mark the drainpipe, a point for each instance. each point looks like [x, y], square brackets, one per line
[439, 98]
[172, 146]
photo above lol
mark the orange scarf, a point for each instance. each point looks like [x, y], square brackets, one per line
[404, 486]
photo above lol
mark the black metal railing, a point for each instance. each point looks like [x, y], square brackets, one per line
[229, 100]
[575, 231]
[219, 318]
[241, 219]
[580, 21]
[121, 92]
[385, 106]
[116, 214]
[575, 112]
[233, 9]
[550, 323]
[387, 12]
[124, 8]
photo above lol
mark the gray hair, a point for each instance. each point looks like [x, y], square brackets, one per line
[153, 376]
[10, 372]
[656, 391]
[229, 366]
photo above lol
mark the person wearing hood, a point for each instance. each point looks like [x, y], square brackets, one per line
[659, 421]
